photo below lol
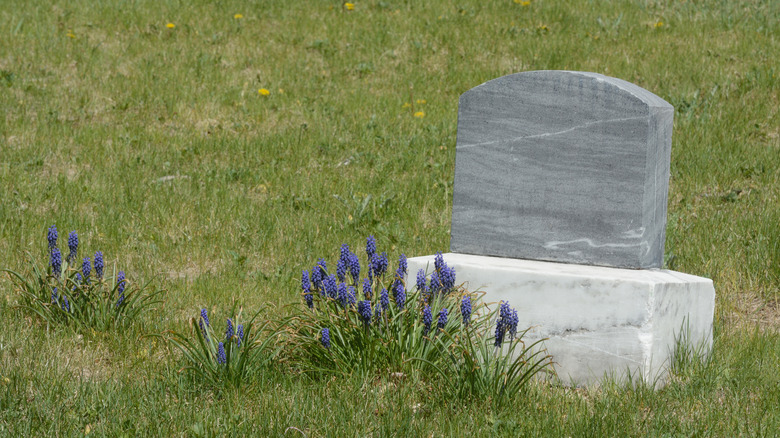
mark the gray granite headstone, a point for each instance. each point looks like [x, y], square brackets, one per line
[562, 166]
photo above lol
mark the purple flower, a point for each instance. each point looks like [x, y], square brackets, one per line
[447, 277]
[379, 264]
[65, 304]
[378, 314]
[99, 264]
[229, 332]
[367, 288]
[354, 267]
[73, 245]
[325, 339]
[344, 252]
[86, 268]
[513, 321]
[342, 294]
[370, 247]
[500, 331]
[400, 297]
[465, 309]
[341, 269]
[120, 287]
[54, 295]
[221, 358]
[51, 236]
[427, 319]
[364, 309]
[384, 300]
[402, 266]
[351, 296]
[422, 288]
[330, 286]
[306, 286]
[56, 261]
[436, 285]
[442, 318]
[438, 261]
[240, 334]
[204, 316]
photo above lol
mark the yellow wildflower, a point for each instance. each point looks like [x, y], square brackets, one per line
[658, 24]
[349, 6]
[281, 91]
[263, 92]
[419, 114]
[238, 16]
[170, 25]
[523, 2]
[407, 105]
[70, 34]
[420, 101]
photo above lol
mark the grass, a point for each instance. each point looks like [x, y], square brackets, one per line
[155, 144]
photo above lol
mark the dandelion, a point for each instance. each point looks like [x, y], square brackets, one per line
[443, 314]
[56, 262]
[73, 245]
[419, 114]
[349, 6]
[406, 105]
[170, 25]
[51, 236]
[221, 358]
[325, 338]
[99, 264]
[465, 310]
[263, 92]
[421, 101]
[229, 332]
[238, 16]
[70, 34]
[658, 24]
[364, 309]
[427, 319]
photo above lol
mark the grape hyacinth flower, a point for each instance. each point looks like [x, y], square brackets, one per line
[436, 285]
[73, 245]
[465, 310]
[99, 264]
[54, 295]
[379, 264]
[427, 319]
[438, 261]
[240, 334]
[370, 247]
[384, 300]
[354, 267]
[120, 287]
[316, 278]
[500, 331]
[443, 314]
[344, 253]
[86, 268]
[229, 331]
[65, 304]
[400, 297]
[342, 294]
[402, 266]
[325, 339]
[378, 314]
[351, 298]
[330, 286]
[447, 278]
[364, 309]
[341, 269]
[305, 282]
[513, 321]
[221, 358]
[56, 262]
[204, 322]
[367, 288]
[309, 300]
[51, 236]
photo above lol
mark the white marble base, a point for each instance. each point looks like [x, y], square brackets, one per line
[599, 321]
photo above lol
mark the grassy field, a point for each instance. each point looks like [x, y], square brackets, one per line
[222, 147]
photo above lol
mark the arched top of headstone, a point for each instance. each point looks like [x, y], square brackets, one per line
[562, 166]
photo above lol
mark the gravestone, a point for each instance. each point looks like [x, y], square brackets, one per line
[562, 166]
[559, 207]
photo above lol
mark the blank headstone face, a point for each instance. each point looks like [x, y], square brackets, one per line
[562, 166]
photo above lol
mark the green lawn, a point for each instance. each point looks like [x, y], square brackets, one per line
[153, 141]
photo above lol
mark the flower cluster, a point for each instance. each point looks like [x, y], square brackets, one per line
[442, 280]
[506, 324]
